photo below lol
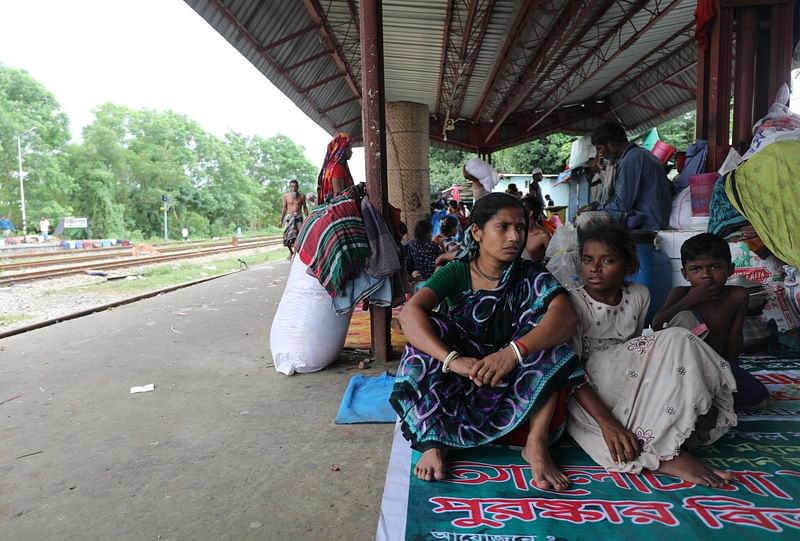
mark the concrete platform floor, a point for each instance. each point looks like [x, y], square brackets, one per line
[224, 448]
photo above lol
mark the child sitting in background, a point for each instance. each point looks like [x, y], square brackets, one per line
[421, 254]
[452, 212]
[713, 310]
[666, 392]
[447, 238]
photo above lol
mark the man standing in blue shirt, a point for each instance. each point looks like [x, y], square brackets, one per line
[642, 193]
[6, 227]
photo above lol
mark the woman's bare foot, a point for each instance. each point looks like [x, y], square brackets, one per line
[430, 466]
[546, 474]
[690, 468]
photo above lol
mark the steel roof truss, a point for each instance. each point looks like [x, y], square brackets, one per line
[672, 64]
[545, 29]
[662, 114]
[329, 37]
[524, 19]
[608, 48]
[347, 122]
[561, 28]
[464, 37]
[687, 88]
[339, 104]
[645, 106]
[291, 37]
[648, 59]
[312, 58]
[322, 82]
[446, 40]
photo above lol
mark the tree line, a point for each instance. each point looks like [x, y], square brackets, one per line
[128, 159]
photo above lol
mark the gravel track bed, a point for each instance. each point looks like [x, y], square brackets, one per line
[56, 297]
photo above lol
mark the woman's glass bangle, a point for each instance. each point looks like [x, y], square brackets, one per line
[452, 356]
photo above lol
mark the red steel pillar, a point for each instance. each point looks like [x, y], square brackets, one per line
[719, 87]
[764, 40]
[744, 82]
[373, 121]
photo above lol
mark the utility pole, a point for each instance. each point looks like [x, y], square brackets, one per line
[165, 200]
[22, 188]
[22, 183]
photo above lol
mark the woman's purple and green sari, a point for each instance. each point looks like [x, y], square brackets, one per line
[448, 410]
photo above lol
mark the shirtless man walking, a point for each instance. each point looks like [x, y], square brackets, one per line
[291, 217]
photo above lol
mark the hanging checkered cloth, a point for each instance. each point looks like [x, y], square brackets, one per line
[333, 243]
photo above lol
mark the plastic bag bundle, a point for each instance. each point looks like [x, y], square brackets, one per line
[306, 334]
[563, 255]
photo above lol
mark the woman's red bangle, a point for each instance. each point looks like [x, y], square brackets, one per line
[522, 348]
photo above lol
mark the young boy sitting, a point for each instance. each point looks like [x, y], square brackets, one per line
[712, 310]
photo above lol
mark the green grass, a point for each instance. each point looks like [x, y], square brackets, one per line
[173, 274]
[10, 319]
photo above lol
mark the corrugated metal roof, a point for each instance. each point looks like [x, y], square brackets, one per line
[310, 48]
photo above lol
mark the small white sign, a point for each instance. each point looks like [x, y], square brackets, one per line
[76, 223]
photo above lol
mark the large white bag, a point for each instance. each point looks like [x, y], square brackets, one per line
[306, 334]
[580, 151]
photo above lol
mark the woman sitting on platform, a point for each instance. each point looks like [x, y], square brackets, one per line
[498, 359]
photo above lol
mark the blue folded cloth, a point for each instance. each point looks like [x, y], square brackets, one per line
[366, 400]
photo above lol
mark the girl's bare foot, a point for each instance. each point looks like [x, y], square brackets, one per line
[546, 474]
[430, 466]
[692, 469]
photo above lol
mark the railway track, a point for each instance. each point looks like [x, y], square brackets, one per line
[145, 260]
[61, 253]
[115, 252]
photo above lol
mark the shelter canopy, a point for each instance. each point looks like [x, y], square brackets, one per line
[493, 73]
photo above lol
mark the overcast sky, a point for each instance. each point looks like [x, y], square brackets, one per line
[156, 54]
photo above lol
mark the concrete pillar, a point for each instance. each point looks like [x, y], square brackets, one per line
[407, 143]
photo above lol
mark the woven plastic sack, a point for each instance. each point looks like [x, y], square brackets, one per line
[306, 334]
[779, 124]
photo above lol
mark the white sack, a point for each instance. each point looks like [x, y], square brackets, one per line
[306, 334]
